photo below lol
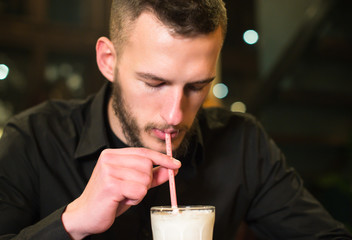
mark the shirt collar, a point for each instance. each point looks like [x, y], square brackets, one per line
[94, 136]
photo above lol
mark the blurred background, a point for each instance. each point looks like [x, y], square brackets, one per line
[287, 62]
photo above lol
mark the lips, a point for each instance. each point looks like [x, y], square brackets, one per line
[161, 133]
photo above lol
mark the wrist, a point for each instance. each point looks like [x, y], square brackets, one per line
[72, 223]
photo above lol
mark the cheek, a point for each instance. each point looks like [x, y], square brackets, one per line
[144, 106]
[135, 96]
[192, 106]
[142, 99]
[199, 100]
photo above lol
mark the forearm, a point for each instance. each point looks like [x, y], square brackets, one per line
[50, 227]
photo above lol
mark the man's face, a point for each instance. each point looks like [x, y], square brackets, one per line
[161, 81]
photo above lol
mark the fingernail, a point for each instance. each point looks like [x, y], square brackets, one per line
[176, 161]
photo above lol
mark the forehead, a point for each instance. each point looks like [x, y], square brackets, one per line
[148, 29]
[153, 47]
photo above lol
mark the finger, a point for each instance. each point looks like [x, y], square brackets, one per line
[156, 157]
[134, 175]
[160, 176]
[133, 192]
[136, 162]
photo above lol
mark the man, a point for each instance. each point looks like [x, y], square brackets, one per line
[93, 168]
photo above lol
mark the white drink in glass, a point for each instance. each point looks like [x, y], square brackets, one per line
[183, 223]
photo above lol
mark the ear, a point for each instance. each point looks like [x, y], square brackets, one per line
[106, 57]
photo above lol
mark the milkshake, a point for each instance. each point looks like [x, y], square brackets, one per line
[183, 223]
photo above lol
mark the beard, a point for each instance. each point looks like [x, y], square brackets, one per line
[132, 132]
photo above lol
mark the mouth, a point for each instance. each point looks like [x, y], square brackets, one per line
[160, 133]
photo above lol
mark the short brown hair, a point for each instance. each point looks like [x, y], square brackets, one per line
[184, 17]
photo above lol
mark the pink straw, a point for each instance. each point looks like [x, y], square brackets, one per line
[171, 172]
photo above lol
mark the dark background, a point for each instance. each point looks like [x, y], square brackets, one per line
[297, 79]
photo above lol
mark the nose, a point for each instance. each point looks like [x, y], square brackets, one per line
[173, 107]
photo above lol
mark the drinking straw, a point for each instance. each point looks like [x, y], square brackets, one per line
[171, 172]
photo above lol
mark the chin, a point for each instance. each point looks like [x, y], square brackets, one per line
[155, 144]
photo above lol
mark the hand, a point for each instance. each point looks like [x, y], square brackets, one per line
[121, 178]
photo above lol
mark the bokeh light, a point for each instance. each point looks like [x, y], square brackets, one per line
[250, 37]
[220, 90]
[238, 107]
[4, 71]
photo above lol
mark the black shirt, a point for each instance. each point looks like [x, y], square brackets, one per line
[48, 153]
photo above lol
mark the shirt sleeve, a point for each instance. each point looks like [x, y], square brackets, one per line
[282, 208]
[19, 217]
[50, 227]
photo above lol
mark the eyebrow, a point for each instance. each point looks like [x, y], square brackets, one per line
[156, 78]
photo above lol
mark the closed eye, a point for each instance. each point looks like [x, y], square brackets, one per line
[196, 87]
[154, 83]
[150, 80]
[199, 86]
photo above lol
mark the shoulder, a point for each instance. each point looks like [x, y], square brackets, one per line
[53, 117]
[52, 126]
[219, 118]
[221, 125]
[58, 108]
